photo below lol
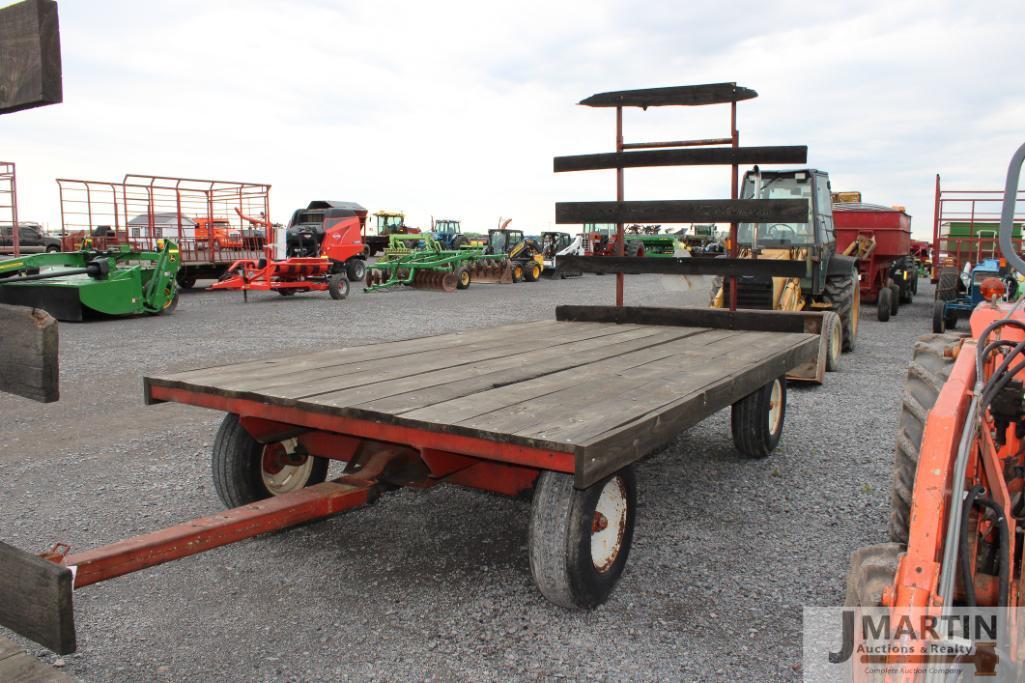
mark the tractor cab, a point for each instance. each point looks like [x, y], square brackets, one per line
[502, 241]
[554, 242]
[393, 223]
[449, 233]
[812, 241]
[446, 226]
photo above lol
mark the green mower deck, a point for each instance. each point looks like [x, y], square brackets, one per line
[72, 286]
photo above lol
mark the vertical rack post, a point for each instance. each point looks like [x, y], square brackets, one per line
[620, 232]
[734, 186]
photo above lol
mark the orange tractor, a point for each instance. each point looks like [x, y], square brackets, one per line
[958, 502]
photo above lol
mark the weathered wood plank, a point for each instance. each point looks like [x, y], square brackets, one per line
[685, 211]
[682, 95]
[419, 391]
[29, 363]
[35, 599]
[607, 453]
[308, 384]
[744, 319]
[683, 265]
[470, 411]
[593, 401]
[345, 355]
[709, 156]
[30, 57]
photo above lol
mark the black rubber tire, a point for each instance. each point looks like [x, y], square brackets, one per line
[884, 305]
[927, 373]
[459, 241]
[287, 292]
[894, 300]
[559, 539]
[517, 272]
[842, 292]
[355, 269]
[947, 282]
[185, 280]
[463, 278]
[169, 308]
[914, 285]
[337, 286]
[831, 320]
[52, 249]
[749, 419]
[236, 462]
[873, 568]
[532, 271]
[950, 321]
[939, 324]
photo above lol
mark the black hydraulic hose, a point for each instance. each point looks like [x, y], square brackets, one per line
[1005, 547]
[964, 560]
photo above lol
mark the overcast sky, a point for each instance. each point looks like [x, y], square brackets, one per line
[456, 109]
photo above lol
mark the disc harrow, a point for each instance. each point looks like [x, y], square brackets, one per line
[435, 268]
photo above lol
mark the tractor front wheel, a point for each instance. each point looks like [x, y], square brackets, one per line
[939, 321]
[579, 540]
[337, 286]
[246, 471]
[757, 419]
[884, 304]
[834, 336]
[843, 292]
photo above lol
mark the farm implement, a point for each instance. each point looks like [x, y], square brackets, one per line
[405, 263]
[286, 277]
[79, 284]
[954, 554]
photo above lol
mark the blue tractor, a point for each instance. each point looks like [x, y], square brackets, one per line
[957, 298]
[448, 233]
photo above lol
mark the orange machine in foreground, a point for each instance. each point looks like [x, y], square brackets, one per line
[958, 498]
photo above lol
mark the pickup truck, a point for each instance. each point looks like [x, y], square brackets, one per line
[31, 238]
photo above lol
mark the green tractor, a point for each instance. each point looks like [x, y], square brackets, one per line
[79, 284]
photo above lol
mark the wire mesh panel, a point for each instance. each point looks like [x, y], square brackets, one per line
[213, 222]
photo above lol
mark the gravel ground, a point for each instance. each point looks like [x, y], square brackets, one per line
[435, 584]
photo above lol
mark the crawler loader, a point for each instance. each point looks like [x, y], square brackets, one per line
[958, 498]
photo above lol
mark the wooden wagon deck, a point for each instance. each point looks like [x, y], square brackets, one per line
[605, 392]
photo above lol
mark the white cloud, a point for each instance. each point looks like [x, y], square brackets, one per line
[457, 108]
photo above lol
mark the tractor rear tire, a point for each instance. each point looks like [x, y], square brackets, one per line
[894, 300]
[458, 242]
[947, 283]
[844, 293]
[884, 305]
[939, 321]
[927, 373]
[337, 286]
[355, 269]
[238, 467]
[757, 419]
[834, 335]
[579, 540]
[950, 321]
[873, 568]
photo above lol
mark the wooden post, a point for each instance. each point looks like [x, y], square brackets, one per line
[28, 353]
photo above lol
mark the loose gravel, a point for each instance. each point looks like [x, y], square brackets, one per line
[435, 585]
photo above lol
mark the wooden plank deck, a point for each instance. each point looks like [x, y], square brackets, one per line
[607, 392]
[18, 666]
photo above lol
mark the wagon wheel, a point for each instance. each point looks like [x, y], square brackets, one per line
[757, 419]
[463, 278]
[288, 291]
[579, 539]
[246, 471]
[337, 286]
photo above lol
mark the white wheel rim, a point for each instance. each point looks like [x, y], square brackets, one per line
[289, 477]
[775, 407]
[835, 341]
[608, 524]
